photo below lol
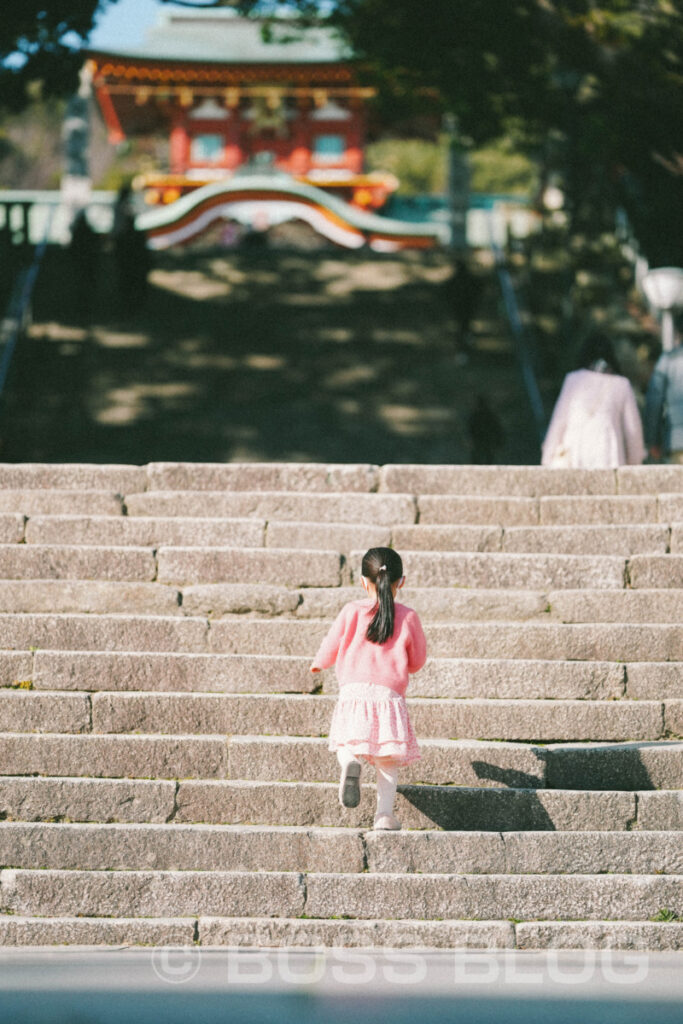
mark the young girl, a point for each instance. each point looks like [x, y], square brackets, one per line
[374, 645]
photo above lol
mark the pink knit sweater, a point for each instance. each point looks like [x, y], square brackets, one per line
[358, 660]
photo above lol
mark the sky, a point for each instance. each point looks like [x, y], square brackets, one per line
[124, 23]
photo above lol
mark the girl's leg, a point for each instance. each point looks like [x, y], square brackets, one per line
[349, 783]
[387, 780]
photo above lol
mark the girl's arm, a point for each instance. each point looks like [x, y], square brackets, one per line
[327, 652]
[417, 647]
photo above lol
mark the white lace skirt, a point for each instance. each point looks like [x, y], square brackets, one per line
[373, 721]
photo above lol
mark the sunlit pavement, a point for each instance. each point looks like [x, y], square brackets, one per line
[196, 985]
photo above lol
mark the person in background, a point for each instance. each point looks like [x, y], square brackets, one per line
[664, 408]
[595, 423]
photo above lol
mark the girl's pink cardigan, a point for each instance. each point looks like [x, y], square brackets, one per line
[358, 660]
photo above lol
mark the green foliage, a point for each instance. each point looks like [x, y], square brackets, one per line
[420, 166]
[500, 168]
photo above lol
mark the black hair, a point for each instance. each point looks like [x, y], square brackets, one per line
[597, 352]
[382, 566]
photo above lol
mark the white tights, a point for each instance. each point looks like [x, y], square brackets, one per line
[387, 778]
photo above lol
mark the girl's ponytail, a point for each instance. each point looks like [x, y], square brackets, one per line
[383, 567]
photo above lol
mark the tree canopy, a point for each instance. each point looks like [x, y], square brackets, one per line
[591, 87]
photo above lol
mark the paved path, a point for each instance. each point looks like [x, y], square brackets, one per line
[44, 986]
[263, 356]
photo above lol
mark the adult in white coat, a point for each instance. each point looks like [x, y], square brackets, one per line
[596, 423]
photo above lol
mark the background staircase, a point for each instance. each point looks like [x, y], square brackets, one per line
[165, 777]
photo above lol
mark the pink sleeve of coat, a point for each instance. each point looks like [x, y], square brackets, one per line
[417, 649]
[327, 652]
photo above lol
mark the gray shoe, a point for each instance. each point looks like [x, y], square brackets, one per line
[349, 785]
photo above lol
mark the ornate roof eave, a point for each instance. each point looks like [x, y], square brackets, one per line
[109, 68]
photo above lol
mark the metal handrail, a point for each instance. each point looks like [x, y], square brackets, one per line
[522, 349]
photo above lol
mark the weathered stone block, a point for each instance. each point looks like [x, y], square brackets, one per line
[21, 561]
[661, 606]
[104, 633]
[673, 716]
[72, 476]
[290, 714]
[443, 762]
[477, 511]
[23, 711]
[627, 853]
[492, 896]
[639, 935]
[493, 571]
[11, 529]
[340, 536]
[653, 680]
[418, 807]
[53, 502]
[17, 930]
[240, 635]
[143, 757]
[670, 508]
[50, 799]
[145, 532]
[96, 597]
[541, 720]
[95, 847]
[233, 565]
[435, 853]
[342, 935]
[15, 667]
[649, 479]
[588, 540]
[261, 476]
[217, 599]
[580, 642]
[656, 571]
[537, 679]
[599, 511]
[523, 481]
[447, 538]
[661, 811]
[151, 894]
[626, 766]
[380, 509]
[72, 670]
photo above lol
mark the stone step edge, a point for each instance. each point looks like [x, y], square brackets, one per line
[454, 936]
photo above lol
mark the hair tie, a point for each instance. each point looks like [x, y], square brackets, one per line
[382, 568]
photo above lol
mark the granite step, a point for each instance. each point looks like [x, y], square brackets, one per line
[326, 895]
[433, 604]
[619, 642]
[444, 762]
[448, 808]
[383, 510]
[124, 847]
[448, 678]
[55, 502]
[340, 935]
[254, 532]
[528, 480]
[239, 634]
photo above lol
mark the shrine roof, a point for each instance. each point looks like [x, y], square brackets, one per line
[220, 36]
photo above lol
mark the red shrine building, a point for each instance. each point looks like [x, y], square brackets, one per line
[233, 94]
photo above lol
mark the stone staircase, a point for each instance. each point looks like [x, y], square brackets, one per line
[165, 777]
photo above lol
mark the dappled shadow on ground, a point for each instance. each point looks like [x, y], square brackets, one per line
[261, 355]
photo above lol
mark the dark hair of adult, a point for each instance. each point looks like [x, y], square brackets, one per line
[597, 353]
[382, 566]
